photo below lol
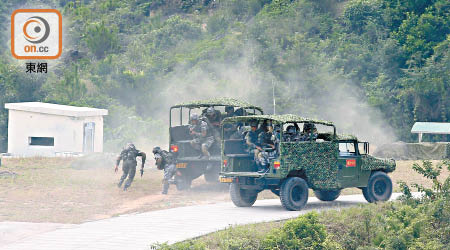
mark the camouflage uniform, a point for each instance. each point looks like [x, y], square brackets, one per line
[128, 156]
[213, 118]
[252, 141]
[229, 129]
[292, 133]
[265, 139]
[309, 132]
[203, 140]
[164, 161]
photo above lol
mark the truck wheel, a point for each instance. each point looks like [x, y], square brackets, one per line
[327, 195]
[294, 193]
[182, 182]
[379, 188]
[242, 197]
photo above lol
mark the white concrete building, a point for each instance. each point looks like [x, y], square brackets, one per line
[45, 129]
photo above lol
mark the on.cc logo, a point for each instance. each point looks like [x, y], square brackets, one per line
[39, 29]
[36, 34]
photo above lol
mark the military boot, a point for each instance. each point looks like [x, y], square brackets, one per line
[165, 188]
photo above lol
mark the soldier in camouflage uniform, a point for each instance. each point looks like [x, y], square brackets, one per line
[229, 129]
[309, 132]
[266, 140]
[164, 161]
[200, 131]
[292, 133]
[213, 118]
[251, 140]
[128, 156]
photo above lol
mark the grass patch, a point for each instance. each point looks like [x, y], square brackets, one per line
[50, 190]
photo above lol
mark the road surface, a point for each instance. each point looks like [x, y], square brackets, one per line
[139, 231]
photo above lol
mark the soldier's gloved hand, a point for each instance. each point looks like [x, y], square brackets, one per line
[116, 169]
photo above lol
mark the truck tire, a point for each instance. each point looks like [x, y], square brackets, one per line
[379, 187]
[294, 193]
[327, 195]
[242, 197]
[182, 182]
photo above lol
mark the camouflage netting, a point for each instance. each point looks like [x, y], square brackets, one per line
[413, 151]
[371, 163]
[223, 101]
[319, 160]
[276, 118]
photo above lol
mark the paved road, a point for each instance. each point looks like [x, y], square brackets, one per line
[139, 231]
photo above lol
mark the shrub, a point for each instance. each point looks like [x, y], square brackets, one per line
[304, 232]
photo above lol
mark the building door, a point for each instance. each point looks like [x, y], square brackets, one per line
[88, 138]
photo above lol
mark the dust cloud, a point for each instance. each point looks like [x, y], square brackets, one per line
[317, 93]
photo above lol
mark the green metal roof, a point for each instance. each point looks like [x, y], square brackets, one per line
[431, 128]
[277, 118]
[223, 101]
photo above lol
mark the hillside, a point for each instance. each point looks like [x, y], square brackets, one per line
[372, 66]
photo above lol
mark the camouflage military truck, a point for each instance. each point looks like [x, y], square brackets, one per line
[190, 165]
[321, 160]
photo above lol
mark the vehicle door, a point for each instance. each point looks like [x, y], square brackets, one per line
[349, 162]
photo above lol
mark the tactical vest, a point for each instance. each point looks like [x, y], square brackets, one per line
[130, 155]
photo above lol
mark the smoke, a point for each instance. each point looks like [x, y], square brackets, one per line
[314, 93]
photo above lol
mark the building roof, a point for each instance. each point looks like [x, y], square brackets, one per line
[55, 109]
[431, 128]
[223, 101]
[278, 118]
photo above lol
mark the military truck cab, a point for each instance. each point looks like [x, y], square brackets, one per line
[316, 158]
[189, 161]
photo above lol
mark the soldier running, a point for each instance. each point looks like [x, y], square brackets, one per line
[164, 161]
[128, 156]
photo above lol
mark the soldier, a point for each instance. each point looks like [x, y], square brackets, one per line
[309, 132]
[229, 129]
[202, 139]
[266, 140]
[213, 118]
[252, 139]
[164, 161]
[229, 111]
[128, 156]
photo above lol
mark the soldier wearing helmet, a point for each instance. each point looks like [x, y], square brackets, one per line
[164, 161]
[309, 132]
[128, 156]
[267, 142]
[252, 139]
[201, 133]
[213, 117]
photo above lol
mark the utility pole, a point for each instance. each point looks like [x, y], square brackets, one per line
[273, 97]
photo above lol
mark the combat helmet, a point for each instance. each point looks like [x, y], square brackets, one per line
[194, 117]
[210, 111]
[131, 146]
[156, 150]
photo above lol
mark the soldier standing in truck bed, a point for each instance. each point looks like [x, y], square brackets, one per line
[213, 118]
[202, 137]
[128, 156]
[164, 161]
